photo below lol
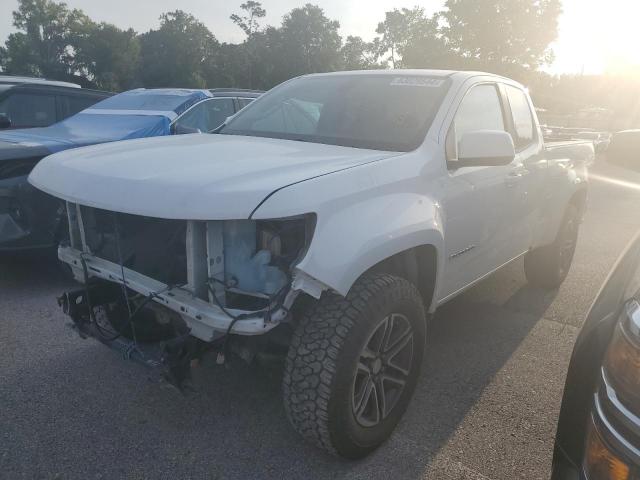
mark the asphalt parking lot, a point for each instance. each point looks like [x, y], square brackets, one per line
[486, 406]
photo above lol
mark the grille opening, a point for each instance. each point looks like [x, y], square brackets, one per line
[154, 247]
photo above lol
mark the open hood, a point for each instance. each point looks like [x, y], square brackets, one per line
[196, 177]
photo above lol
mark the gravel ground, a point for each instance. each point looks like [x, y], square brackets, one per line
[485, 408]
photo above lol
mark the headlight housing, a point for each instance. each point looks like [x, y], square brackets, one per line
[622, 360]
[601, 463]
[613, 428]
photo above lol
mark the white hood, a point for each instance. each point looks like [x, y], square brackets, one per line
[196, 177]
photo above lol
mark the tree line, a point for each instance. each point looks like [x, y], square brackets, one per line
[55, 41]
[508, 37]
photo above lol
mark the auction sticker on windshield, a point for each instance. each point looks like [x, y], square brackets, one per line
[418, 82]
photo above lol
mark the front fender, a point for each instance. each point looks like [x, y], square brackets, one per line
[364, 216]
[349, 242]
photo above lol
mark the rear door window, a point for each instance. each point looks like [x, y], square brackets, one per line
[27, 110]
[74, 104]
[524, 128]
[243, 102]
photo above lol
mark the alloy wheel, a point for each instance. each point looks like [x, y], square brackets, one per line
[383, 369]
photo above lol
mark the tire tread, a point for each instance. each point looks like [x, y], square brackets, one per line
[313, 355]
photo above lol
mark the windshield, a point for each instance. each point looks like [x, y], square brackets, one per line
[380, 112]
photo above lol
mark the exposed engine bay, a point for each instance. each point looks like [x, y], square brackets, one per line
[149, 280]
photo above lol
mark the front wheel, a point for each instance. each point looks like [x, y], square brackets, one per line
[353, 365]
[548, 266]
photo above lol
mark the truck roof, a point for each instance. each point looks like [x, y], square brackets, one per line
[16, 80]
[239, 92]
[215, 92]
[165, 91]
[414, 72]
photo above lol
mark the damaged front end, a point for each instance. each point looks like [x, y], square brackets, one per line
[163, 291]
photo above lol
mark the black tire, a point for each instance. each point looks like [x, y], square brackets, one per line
[326, 380]
[547, 267]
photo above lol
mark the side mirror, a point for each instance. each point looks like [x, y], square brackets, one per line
[485, 148]
[5, 121]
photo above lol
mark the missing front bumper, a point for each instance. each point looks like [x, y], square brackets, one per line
[206, 322]
[170, 358]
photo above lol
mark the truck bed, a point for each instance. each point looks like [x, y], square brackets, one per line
[575, 150]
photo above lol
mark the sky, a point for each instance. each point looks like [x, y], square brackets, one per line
[594, 36]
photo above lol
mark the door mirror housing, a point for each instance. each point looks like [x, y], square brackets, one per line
[5, 121]
[482, 148]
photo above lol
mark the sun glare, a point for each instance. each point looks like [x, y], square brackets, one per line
[597, 36]
[614, 181]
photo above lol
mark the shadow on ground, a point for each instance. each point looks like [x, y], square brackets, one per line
[81, 412]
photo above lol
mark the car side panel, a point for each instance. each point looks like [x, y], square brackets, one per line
[566, 176]
[586, 360]
[365, 215]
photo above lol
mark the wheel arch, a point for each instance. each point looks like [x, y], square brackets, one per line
[419, 262]
[418, 265]
[579, 200]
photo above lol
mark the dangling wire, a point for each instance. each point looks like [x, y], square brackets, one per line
[124, 282]
[92, 315]
[266, 313]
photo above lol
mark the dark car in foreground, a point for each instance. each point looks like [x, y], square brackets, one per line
[599, 427]
[31, 219]
[27, 102]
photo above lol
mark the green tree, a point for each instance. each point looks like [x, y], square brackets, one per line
[249, 55]
[505, 36]
[110, 57]
[3, 59]
[229, 67]
[249, 21]
[306, 42]
[428, 48]
[392, 35]
[400, 29]
[48, 33]
[178, 53]
[358, 54]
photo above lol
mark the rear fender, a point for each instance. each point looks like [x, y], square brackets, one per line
[566, 182]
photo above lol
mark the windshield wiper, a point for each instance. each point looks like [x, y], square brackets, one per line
[217, 129]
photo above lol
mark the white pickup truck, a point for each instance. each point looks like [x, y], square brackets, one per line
[331, 217]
